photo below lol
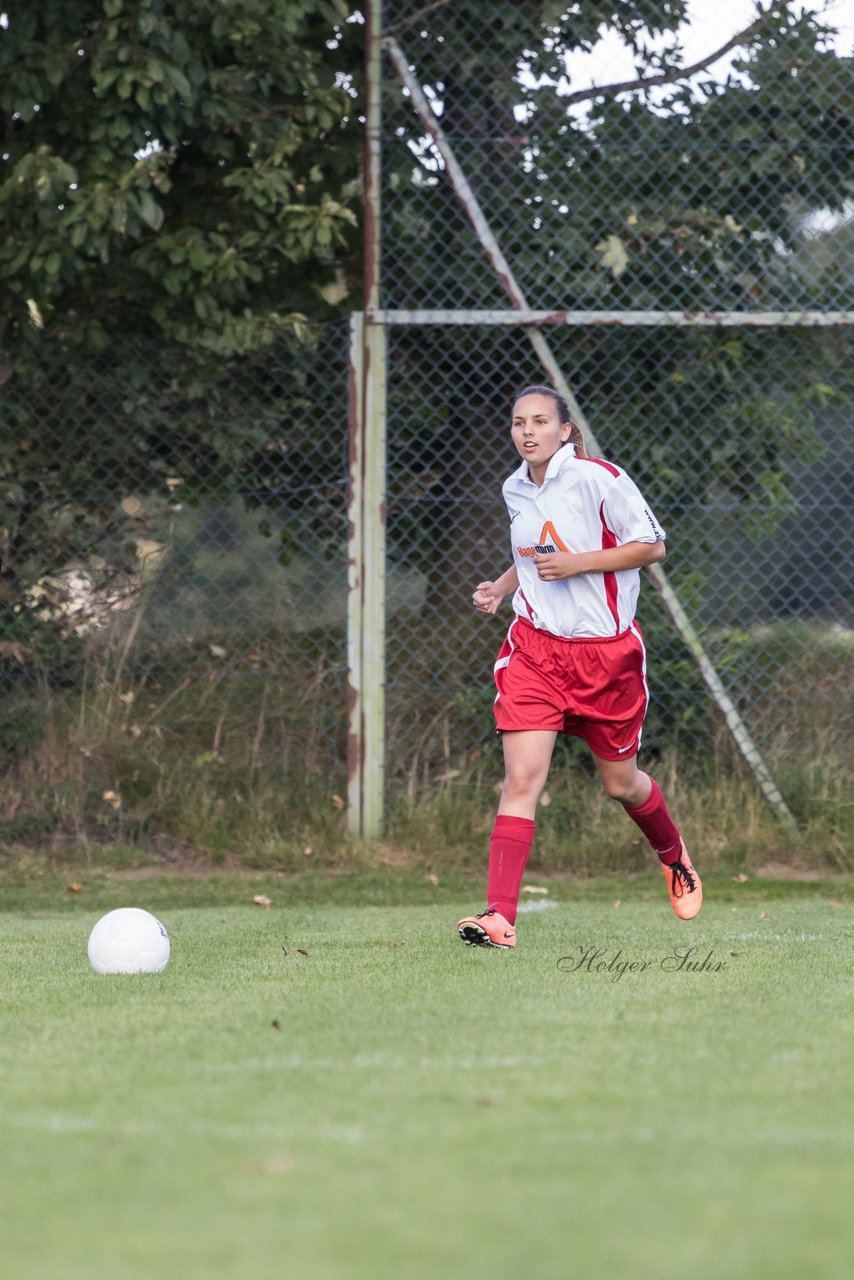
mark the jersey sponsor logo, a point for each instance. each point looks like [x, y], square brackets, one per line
[549, 542]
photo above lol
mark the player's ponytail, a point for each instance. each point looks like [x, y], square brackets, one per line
[576, 435]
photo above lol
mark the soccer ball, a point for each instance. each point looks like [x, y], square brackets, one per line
[128, 940]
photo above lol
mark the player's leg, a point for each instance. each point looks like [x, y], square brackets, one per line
[611, 699]
[527, 757]
[642, 799]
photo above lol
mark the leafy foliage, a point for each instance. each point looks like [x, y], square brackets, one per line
[184, 167]
[178, 190]
[685, 195]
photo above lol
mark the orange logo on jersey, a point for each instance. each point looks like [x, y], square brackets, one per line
[550, 541]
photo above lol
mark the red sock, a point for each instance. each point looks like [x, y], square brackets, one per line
[657, 825]
[509, 846]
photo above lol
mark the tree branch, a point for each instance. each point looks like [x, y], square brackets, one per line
[677, 73]
[414, 17]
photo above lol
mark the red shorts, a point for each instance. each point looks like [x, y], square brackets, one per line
[594, 688]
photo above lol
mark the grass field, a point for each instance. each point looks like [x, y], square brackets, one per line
[336, 1087]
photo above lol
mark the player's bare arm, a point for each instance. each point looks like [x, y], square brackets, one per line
[556, 565]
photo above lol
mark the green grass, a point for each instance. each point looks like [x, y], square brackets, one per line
[393, 1104]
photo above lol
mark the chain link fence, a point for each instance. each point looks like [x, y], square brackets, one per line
[174, 537]
[728, 190]
[652, 205]
[767, 585]
[173, 649]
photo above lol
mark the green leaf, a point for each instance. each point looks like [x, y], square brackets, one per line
[149, 211]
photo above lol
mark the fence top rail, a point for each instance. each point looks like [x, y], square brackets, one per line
[523, 316]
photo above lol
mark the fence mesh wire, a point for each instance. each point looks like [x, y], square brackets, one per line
[728, 191]
[174, 588]
[179, 526]
[766, 583]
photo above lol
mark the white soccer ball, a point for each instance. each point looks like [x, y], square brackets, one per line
[128, 940]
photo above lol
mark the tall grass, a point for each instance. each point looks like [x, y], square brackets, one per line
[720, 810]
[234, 751]
[179, 753]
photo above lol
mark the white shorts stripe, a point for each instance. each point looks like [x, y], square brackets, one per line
[636, 633]
[502, 662]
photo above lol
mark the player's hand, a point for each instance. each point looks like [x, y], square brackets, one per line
[555, 565]
[487, 597]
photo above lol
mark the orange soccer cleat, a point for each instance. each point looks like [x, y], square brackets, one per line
[683, 885]
[490, 929]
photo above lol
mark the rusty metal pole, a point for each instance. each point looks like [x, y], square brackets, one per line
[366, 522]
[373, 609]
[620, 319]
[355, 571]
[366, 580]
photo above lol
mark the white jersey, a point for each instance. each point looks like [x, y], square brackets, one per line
[583, 504]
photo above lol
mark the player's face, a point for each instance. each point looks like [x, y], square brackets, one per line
[537, 431]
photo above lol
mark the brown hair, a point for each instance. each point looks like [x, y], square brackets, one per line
[576, 435]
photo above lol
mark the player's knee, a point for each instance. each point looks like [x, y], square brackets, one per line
[620, 789]
[521, 782]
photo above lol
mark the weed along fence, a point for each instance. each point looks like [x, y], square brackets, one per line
[236, 593]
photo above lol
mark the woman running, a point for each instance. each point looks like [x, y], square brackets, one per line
[574, 659]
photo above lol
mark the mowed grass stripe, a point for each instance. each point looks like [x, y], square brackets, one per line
[421, 1106]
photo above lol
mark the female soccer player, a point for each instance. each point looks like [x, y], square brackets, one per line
[574, 659]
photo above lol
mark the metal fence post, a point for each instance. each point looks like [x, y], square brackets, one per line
[373, 609]
[355, 564]
[366, 515]
[366, 580]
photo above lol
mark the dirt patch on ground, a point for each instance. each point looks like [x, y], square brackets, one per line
[782, 871]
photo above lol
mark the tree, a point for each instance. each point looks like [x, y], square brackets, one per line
[184, 168]
[178, 194]
[678, 191]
